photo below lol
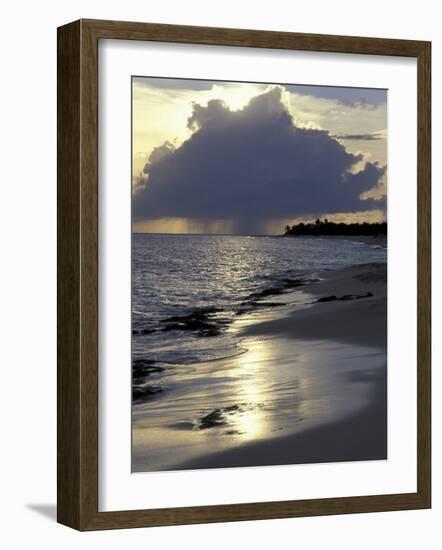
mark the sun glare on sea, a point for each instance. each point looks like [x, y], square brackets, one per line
[251, 422]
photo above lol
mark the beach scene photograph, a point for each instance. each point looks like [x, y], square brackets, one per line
[259, 274]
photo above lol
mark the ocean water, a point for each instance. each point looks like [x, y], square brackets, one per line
[179, 275]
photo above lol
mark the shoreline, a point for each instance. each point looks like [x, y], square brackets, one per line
[310, 388]
[358, 436]
[361, 320]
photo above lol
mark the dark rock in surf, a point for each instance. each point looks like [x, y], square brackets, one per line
[215, 418]
[267, 304]
[292, 283]
[232, 408]
[287, 283]
[344, 298]
[143, 362]
[355, 296]
[143, 331]
[202, 322]
[143, 393]
[142, 368]
[272, 291]
[218, 417]
[210, 331]
[247, 307]
[326, 299]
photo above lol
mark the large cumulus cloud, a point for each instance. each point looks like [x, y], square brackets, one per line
[250, 166]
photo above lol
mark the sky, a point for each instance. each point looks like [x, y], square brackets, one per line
[244, 158]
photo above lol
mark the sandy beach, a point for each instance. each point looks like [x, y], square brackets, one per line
[352, 319]
[360, 436]
[309, 387]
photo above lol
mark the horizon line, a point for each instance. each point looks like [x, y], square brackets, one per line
[209, 234]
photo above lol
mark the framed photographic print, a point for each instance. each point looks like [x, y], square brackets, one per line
[243, 274]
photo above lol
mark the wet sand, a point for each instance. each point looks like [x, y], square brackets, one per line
[362, 436]
[310, 387]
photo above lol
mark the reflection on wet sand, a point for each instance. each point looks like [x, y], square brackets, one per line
[278, 386]
[309, 386]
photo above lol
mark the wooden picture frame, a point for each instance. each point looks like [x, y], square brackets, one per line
[78, 274]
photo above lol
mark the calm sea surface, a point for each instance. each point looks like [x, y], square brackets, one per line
[177, 275]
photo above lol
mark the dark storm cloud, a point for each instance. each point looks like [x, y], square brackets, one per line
[175, 83]
[364, 97]
[251, 166]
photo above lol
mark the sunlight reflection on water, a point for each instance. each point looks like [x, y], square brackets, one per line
[279, 386]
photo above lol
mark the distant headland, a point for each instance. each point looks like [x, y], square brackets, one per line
[325, 227]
